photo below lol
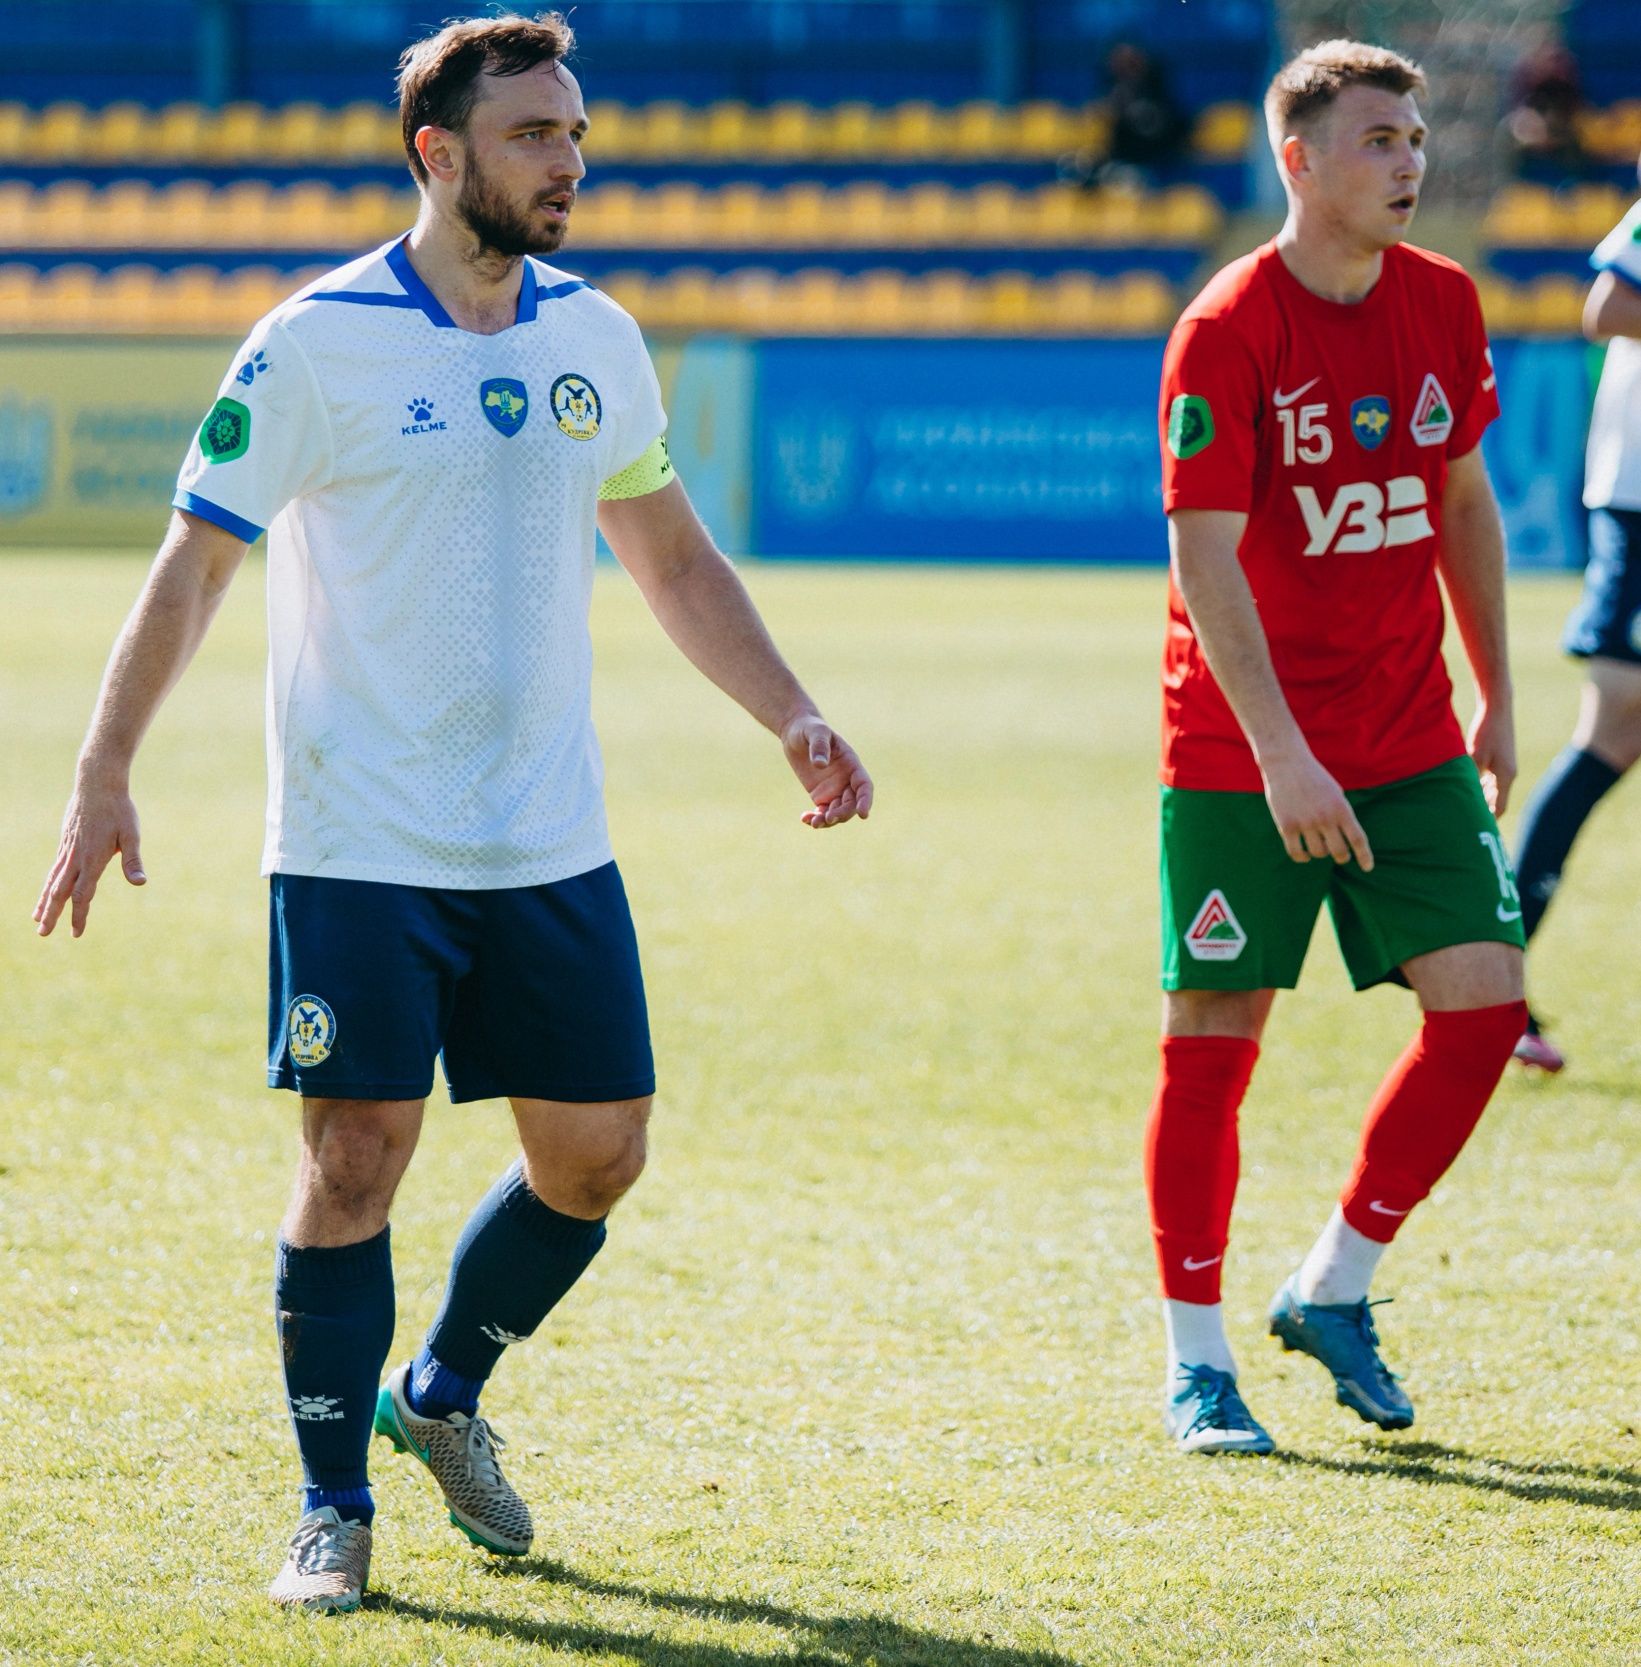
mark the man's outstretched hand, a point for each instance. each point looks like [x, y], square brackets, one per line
[96, 828]
[831, 772]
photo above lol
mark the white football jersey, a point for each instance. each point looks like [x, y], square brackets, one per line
[429, 496]
[1612, 461]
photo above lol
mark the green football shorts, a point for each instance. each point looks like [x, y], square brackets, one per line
[1238, 911]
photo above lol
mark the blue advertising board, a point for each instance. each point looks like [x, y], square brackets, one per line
[969, 451]
[1046, 451]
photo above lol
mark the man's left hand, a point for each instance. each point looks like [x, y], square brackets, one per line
[1493, 747]
[831, 772]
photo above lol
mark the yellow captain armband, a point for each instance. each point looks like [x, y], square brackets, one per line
[649, 474]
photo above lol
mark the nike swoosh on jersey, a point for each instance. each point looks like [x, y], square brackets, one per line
[1192, 1266]
[1506, 915]
[1384, 1210]
[1280, 399]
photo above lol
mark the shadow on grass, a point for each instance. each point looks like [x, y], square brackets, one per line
[810, 1641]
[1608, 1488]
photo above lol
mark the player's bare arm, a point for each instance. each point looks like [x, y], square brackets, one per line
[1612, 308]
[185, 586]
[1472, 567]
[1309, 807]
[695, 593]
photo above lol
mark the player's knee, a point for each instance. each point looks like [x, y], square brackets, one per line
[354, 1161]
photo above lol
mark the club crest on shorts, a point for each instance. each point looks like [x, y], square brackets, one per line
[505, 403]
[576, 405]
[1216, 934]
[310, 1029]
[1432, 414]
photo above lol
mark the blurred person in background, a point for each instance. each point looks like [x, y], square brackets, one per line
[1144, 127]
[1541, 125]
[429, 435]
[1604, 630]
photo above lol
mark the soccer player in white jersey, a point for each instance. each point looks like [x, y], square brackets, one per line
[428, 435]
[1605, 628]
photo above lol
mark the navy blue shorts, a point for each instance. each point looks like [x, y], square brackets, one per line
[1607, 620]
[533, 992]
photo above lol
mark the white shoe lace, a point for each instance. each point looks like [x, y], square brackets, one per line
[323, 1548]
[482, 1442]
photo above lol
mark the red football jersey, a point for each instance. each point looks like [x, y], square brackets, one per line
[1329, 425]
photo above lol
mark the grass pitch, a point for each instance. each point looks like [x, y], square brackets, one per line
[868, 1374]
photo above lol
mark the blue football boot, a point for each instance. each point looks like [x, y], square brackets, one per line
[1343, 1339]
[1207, 1415]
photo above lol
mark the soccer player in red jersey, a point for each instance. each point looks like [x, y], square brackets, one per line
[1322, 403]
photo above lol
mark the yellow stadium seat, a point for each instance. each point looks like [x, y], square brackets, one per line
[69, 297]
[126, 213]
[1009, 304]
[365, 132]
[17, 297]
[996, 212]
[852, 129]
[667, 129]
[178, 133]
[814, 303]
[880, 301]
[62, 214]
[1557, 304]
[58, 133]
[928, 214]
[1187, 214]
[17, 206]
[945, 302]
[128, 298]
[1223, 130]
[235, 133]
[182, 214]
[917, 128]
[610, 216]
[979, 128]
[608, 124]
[727, 129]
[119, 133]
[16, 120]
[299, 133]
[791, 129]
[735, 215]
[373, 213]
[1044, 129]
[864, 213]
[800, 214]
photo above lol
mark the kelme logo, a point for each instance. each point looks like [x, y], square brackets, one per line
[1190, 425]
[505, 404]
[1215, 934]
[226, 432]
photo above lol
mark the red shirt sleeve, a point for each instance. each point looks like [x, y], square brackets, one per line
[1477, 395]
[1208, 417]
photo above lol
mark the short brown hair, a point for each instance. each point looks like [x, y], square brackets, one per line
[438, 76]
[1305, 86]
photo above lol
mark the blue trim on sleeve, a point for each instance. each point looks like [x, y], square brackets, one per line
[217, 516]
[529, 293]
[398, 260]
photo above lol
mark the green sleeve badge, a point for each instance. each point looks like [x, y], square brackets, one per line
[1190, 425]
[226, 432]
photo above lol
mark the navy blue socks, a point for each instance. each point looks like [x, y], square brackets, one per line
[1566, 794]
[515, 1259]
[335, 1314]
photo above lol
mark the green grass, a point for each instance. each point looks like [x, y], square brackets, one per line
[868, 1373]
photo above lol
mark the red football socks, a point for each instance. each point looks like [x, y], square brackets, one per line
[1424, 1112]
[1191, 1158]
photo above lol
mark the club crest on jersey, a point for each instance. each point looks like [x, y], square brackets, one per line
[1190, 425]
[1216, 934]
[505, 404]
[311, 1030]
[226, 432]
[1432, 414]
[576, 405]
[1370, 421]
